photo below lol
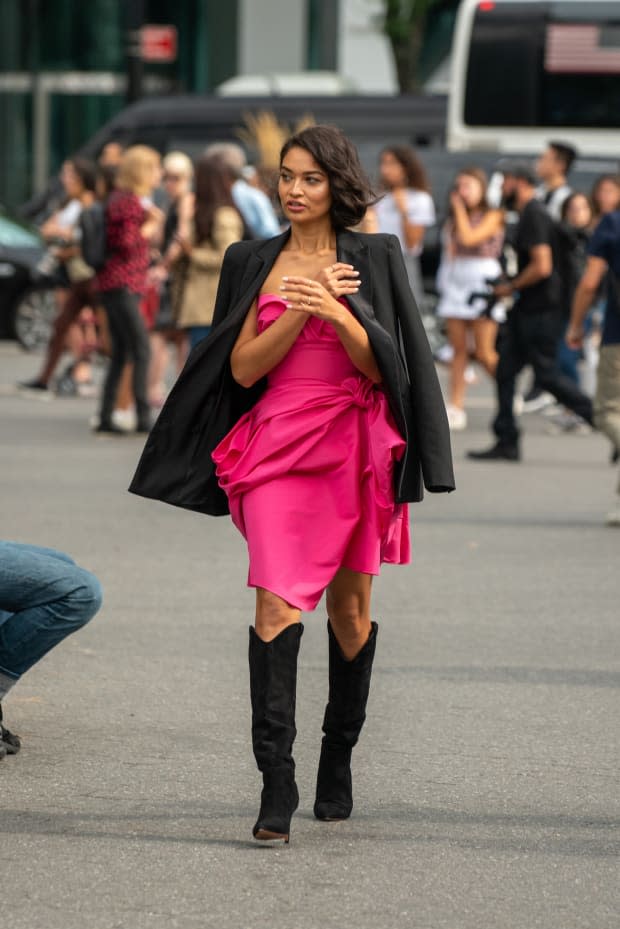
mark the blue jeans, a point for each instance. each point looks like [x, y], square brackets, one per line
[44, 596]
[197, 334]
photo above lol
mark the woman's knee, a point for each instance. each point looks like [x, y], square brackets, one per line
[349, 614]
[273, 614]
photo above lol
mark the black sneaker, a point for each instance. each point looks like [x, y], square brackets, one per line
[34, 385]
[501, 451]
[9, 742]
[108, 429]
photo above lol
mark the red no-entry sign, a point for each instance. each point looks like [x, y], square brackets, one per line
[158, 43]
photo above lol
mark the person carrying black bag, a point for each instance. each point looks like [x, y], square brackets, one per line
[534, 324]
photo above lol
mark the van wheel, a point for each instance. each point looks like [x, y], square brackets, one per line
[33, 318]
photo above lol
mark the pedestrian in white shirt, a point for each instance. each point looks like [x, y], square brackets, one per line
[407, 209]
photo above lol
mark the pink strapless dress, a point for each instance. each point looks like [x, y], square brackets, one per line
[308, 470]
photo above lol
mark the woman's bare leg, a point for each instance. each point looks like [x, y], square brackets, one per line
[157, 367]
[273, 614]
[180, 340]
[457, 336]
[348, 608]
[124, 396]
[485, 338]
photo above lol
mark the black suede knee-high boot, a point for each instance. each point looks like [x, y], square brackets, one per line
[273, 681]
[349, 684]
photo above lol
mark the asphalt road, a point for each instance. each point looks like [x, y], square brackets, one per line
[486, 785]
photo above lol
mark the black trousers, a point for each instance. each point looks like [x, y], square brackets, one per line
[532, 338]
[130, 342]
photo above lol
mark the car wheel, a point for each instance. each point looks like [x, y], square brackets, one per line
[33, 318]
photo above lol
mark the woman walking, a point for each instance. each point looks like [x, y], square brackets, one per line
[473, 238]
[208, 223]
[298, 414]
[132, 222]
[406, 210]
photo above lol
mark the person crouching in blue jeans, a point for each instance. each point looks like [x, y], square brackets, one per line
[44, 597]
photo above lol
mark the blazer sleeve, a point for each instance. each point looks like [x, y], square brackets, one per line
[431, 432]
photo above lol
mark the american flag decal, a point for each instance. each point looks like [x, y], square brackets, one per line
[579, 49]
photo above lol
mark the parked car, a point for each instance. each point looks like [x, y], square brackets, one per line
[27, 304]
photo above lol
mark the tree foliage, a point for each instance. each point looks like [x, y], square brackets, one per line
[404, 25]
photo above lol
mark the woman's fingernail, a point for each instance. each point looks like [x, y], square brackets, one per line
[285, 278]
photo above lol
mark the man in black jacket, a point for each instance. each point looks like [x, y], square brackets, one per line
[534, 324]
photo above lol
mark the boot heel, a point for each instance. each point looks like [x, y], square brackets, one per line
[263, 835]
[279, 800]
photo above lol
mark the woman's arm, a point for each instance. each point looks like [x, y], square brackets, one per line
[468, 235]
[254, 355]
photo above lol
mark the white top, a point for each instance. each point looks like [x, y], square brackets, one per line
[420, 212]
[68, 216]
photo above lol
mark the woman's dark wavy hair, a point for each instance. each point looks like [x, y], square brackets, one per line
[349, 186]
[212, 186]
[411, 165]
[86, 171]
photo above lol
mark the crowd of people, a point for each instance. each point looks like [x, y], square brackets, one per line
[511, 259]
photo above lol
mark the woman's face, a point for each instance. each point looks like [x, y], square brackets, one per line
[70, 180]
[608, 196]
[156, 173]
[578, 212]
[392, 172]
[470, 190]
[303, 187]
[176, 182]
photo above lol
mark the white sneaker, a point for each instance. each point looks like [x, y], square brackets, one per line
[537, 400]
[125, 420]
[613, 516]
[471, 376]
[457, 418]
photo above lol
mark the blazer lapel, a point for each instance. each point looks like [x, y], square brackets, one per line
[257, 267]
[351, 250]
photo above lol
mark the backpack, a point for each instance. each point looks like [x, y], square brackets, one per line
[93, 243]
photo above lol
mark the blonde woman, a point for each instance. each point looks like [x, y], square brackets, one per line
[473, 238]
[208, 224]
[131, 223]
[169, 276]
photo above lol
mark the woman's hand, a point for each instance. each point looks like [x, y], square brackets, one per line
[456, 201]
[304, 295]
[307, 296]
[574, 336]
[339, 280]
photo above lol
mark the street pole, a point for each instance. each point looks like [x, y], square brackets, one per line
[135, 67]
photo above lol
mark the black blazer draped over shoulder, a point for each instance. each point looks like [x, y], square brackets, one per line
[205, 403]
